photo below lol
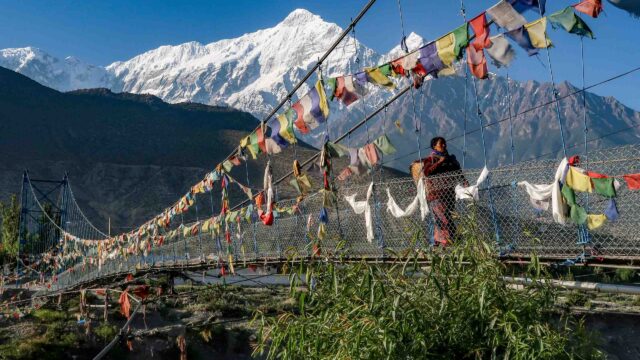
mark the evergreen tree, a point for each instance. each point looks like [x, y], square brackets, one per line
[10, 215]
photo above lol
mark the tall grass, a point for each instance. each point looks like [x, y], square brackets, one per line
[457, 308]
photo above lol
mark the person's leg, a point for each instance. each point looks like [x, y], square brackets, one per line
[441, 230]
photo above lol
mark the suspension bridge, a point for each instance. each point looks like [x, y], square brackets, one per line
[563, 224]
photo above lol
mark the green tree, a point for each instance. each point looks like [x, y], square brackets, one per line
[10, 215]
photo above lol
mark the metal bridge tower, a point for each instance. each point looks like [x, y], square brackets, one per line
[41, 200]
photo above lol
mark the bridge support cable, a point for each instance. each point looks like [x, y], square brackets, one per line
[480, 116]
[517, 115]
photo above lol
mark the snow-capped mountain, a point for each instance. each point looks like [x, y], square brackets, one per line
[252, 72]
[63, 75]
[255, 71]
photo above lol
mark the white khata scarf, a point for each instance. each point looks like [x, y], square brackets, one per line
[360, 207]
[420, 200]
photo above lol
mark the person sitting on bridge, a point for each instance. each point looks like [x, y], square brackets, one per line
[442, 173]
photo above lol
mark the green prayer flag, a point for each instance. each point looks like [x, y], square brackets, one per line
[336, 150]
[331, 85]
[384, 144]
[294, 182]
[253, 146]
[578, 214]
[572, 23]
[386, 70]
[569, 195]
[604, 187]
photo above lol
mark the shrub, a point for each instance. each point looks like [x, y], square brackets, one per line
[458, 308]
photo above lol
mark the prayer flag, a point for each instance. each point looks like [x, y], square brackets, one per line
[612, 210]
[332, 84]
[536, 5]
[572, 23]
[272, 147]
[409, 61]
[387, 70]
[312, 108]
[500, 51]
[227, 165]
[235, 160]
[384, 144]
[578, 214]
[371, 152]
[336, 150]
[505, 16]
[450, 46]
[481, 31]
[348, 90]
[595, 221]
[345, 173]
[477, 62]
[429, 59]
[538, 33]
[253, 146]
[604, 187]
[299, 123]
[578, 181]
[589, 7]
[521, 37]
[261, 139]
[633, 181]
[569, 195]
[282, 129]
[375, 76]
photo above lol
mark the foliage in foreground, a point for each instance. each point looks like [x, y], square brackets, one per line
[459, 308]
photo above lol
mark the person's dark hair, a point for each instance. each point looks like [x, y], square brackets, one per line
[435, 140]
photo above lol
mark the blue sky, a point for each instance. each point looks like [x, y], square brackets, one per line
[100, 32]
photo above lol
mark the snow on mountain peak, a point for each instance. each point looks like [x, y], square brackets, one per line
[300, 17]
[64, 75]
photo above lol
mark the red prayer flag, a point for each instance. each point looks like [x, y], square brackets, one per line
[574, 160]
[299, 122]
[397, 67]
[125, 305]
[235, 160]
[481, 30]
[261, 140]
[267, 218]
[592, 8]
[595, 175]
[477, 62]
[633, 181]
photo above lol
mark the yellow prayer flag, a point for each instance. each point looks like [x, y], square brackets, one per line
[233, 271]
[450, 45]
[538, 33]
[578, 181]
[205, 225]
[445, 46]
[286, 131]
[595, 221]
[324, 105]
[447, 71]
[186, 231]
[244, 142]
[376, 76]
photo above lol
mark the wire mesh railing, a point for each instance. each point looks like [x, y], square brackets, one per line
[502, 214]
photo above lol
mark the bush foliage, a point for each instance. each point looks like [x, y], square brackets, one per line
[457, 308]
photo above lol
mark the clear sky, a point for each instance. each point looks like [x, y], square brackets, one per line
[101, 32]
